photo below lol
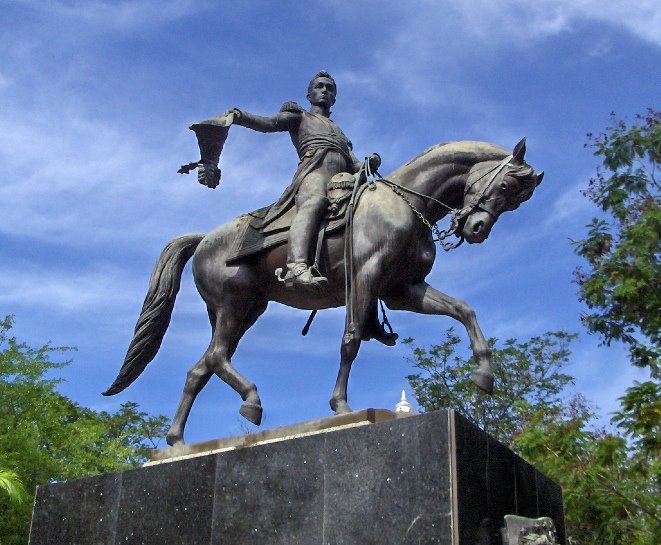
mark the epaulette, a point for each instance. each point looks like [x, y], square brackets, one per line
[291, 106]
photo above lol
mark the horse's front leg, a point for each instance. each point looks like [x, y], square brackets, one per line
[424, 299]
[348, 353]
[364, 301]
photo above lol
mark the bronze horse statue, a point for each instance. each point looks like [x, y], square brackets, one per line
[393, 251]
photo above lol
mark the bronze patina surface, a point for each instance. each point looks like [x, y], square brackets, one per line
[386, 254]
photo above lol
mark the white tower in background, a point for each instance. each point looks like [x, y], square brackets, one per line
[404, 406]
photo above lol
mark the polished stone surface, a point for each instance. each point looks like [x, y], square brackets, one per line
[431, 478]
[158, 503]
[271, 494]
[77, 512]
[311, 427]
[402, 495]
[493, 482]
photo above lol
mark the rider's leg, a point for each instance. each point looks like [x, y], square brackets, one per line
[311, 205]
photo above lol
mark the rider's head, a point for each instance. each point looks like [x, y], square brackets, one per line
[322, 90]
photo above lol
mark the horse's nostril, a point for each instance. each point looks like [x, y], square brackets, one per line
[477, 227]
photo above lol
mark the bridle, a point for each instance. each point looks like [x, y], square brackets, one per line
[366, 175]
[476, 202]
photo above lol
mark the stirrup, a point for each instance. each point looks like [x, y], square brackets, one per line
[300, 274]
[378, 333]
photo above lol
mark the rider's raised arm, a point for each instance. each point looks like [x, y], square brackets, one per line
[282, 121]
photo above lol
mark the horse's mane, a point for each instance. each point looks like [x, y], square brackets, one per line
[470, 154]
[466, 152]
[523, 172]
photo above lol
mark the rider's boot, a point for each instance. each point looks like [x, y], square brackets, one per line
[375, 330]
[304, 229]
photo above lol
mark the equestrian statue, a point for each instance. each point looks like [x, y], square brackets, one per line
[340, 235]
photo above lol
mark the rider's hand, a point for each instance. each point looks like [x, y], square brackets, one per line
[235, 111]
[375, 161]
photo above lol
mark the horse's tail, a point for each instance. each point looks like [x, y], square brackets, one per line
[156, 310]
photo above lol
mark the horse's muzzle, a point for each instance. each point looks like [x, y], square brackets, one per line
[478, 226]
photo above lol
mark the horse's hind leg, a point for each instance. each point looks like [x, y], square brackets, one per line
[231, 326]
[226, 333]
[424, 299]
[196, 379]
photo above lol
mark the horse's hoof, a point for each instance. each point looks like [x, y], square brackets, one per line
[174, 440]
[341, 408]
[251, 412]
[484, 381]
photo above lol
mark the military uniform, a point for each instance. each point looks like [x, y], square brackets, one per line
[323, 151]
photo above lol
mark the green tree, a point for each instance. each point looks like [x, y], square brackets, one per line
[12, 485]
[610, 488]
[608, 500]
[622, 285]
[529, 378]
[46, 437]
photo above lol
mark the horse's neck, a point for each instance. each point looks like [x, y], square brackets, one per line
[441, 172]
[442, 181]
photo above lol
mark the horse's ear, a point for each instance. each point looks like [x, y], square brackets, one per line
[540, 176]
[519, 152]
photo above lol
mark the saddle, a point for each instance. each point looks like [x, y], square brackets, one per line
[251, 239]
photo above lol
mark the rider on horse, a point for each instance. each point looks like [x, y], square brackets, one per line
[324, 151]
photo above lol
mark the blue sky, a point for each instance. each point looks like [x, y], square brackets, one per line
[96, 100]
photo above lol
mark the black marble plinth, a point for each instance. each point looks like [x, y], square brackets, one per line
[427, 479]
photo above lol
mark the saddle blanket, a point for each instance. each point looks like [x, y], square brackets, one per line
[251, 240]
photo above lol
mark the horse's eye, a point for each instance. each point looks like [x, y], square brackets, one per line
[503, 186]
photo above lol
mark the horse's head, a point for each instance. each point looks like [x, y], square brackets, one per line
[494, 187]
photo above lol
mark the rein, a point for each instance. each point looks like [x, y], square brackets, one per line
[478, 199]
[457, 214]
[440, 234]
[366, 175]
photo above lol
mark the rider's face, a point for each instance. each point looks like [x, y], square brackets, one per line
[322, 92]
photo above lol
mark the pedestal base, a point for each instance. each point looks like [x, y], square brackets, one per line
[427, 479]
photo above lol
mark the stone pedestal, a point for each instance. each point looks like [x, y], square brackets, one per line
[425, 479]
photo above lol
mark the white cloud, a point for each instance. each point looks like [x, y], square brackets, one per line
[642, 20]
[66, 174]
[570, 207]
[426, 49]
[520, 21]
[91, 289]
[116, 14]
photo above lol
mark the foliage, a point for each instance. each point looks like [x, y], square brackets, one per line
[608, 499]
[622, 286]
[622, 289]
[46, 437]
[528, 378]
[610, 481]
[639, 417]
[12, 485]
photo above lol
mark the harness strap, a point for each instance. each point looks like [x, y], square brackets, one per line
[476, 200]
[320, 242]
[364, 174]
